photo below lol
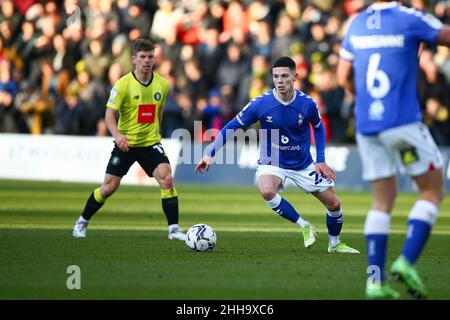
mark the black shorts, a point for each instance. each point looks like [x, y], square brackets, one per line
[148, 157]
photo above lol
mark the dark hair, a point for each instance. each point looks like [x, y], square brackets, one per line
[142, 45]
[284, 62]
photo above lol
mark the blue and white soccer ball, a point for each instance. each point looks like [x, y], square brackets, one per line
[201, 238]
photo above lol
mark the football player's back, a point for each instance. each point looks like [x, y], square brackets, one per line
[381, 48]
[384, 45]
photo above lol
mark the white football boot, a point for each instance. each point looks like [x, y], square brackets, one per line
[176, 233]
[80, 228]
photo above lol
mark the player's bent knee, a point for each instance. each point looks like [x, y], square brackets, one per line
[433, 196]
[167, 182]
[108, 189]
[334, 205]
[106, 192]
[268, 194]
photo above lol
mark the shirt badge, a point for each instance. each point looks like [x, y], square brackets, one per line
[300, 119]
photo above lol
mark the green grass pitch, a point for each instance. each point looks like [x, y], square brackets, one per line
[258, 254]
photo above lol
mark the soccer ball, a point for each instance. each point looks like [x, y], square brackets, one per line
[201, 238]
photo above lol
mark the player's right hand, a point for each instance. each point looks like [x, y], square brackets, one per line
[122, 143]
[203, 164]
[325, 171]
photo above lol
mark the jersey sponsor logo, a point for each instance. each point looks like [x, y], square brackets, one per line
[157, 96]
[286, 148]
[269, 119]
[146, 113]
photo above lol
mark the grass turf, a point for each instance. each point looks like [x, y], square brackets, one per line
[258, 254]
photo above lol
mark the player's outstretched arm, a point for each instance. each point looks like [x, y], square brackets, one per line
[203, 164]
[111, 124]
[221, 139]
[325, 171]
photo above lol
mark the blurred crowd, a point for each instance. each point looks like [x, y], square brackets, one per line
[59, 60]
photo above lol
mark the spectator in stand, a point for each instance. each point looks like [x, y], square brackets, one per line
[171, 48]
[193, 81]
[41, 110]
[332, 97]
[210, 52]
[92, 94]
[68, 112]
[8, 91]
[319, 41]
[10, 22]
[211, 115]
[97, 59]
[262, 40]
[434, 98]
[232, 69]
[188, 28]
[216, 13]
[285, 37]
[165, 20]
[121, 53]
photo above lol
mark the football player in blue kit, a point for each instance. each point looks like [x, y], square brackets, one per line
[284, 114]
[379, 63]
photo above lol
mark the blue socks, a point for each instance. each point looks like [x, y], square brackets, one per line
[286, 210]
[417, 236]
[376, 230]
[334, 226]
[334, 222]
[421, 218]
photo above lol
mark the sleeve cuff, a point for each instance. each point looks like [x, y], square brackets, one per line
[345, 54]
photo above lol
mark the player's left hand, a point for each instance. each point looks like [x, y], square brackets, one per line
[325, 171]
[203, 164]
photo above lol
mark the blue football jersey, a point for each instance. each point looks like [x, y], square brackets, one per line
[285, 137]
[382, 42]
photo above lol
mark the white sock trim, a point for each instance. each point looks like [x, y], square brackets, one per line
[333, 241]
[82, 219]
[302, 223]
[425, 211]
[334, 214]
[275, 202]
[173, 226]
[377, 222]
